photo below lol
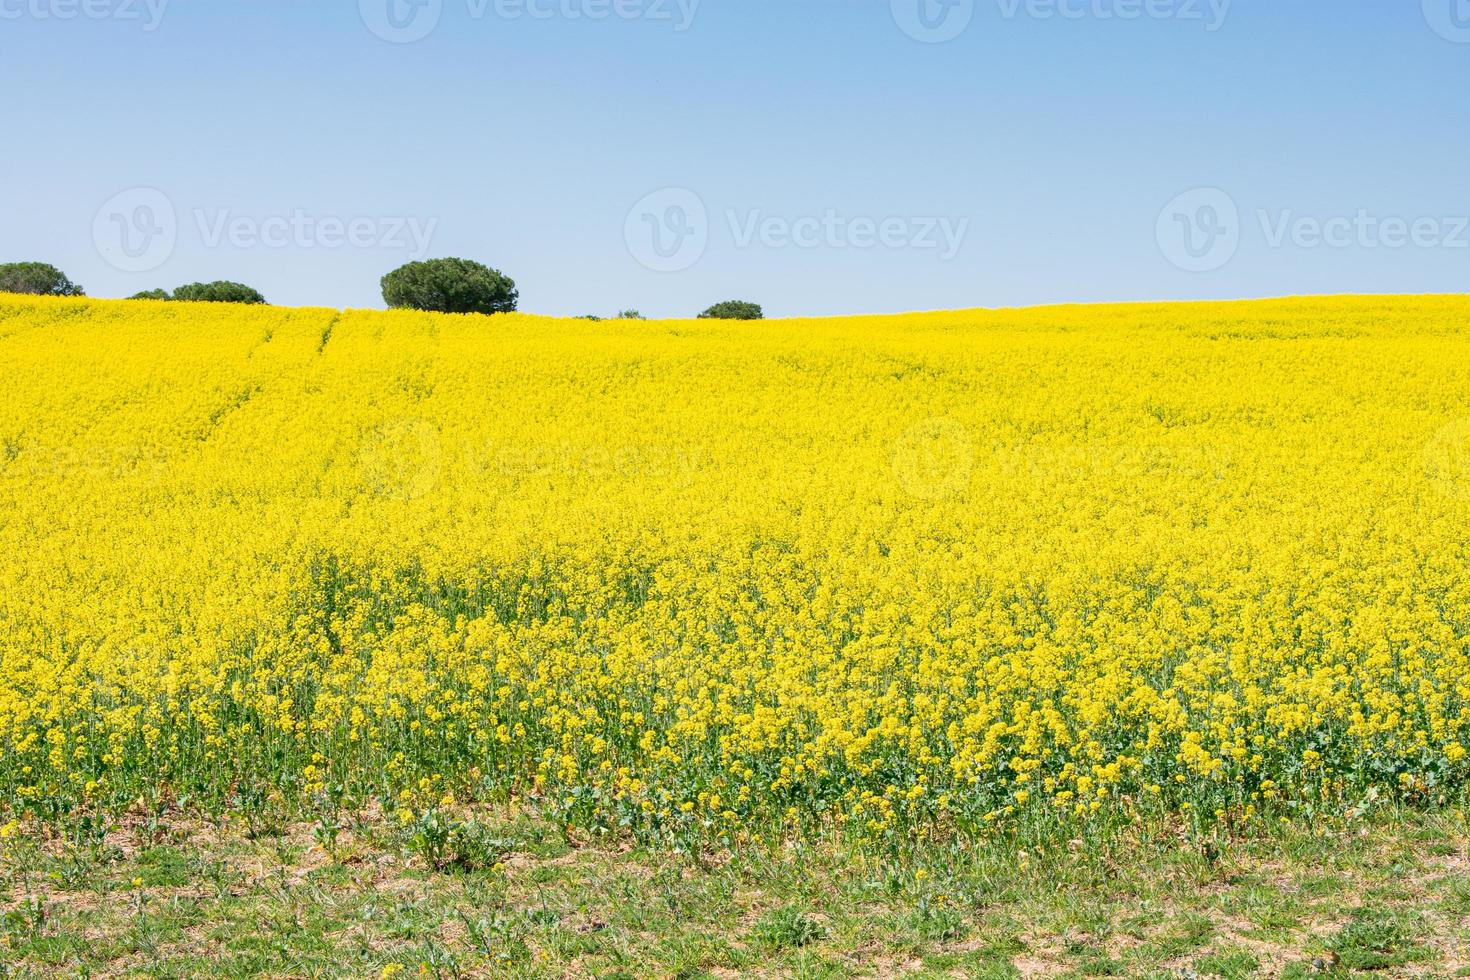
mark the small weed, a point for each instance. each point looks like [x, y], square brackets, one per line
[936, 921]
[788, 928]
[1377, 940]
[444, 843]
[165, 867]
[1231, 965]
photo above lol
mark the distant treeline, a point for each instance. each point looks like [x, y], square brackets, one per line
[436, 285]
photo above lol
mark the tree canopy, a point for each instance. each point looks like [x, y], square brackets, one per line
[450, 286]
[37, 279]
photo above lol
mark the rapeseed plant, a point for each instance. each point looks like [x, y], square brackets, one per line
[711, 579]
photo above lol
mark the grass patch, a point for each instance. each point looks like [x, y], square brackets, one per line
[1378, 939]
[186, 899]
[788, 928]
[1230, 965]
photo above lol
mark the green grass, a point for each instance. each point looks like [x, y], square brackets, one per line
[513, 896]
[1229, 964]
[1379, 938]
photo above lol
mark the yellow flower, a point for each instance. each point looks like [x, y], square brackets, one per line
[766, 573]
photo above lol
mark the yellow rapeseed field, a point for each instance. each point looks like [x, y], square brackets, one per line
[883, 574]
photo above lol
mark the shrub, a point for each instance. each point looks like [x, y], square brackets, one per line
[450, 286]
[733, 310]
[444, 842]
[788, 928]
[161, 294]
[217, 292]
[36, 279]
[623, 315]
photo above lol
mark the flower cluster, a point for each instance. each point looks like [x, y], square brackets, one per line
[715, 576]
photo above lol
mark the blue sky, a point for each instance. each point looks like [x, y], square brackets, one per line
[817, 156]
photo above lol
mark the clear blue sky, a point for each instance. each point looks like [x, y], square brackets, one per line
[827, 147]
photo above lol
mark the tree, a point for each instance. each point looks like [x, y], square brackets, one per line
[733, 310]
[152, 294]
[450, 286]
[217, 292]
[621, 315]
[36, 279]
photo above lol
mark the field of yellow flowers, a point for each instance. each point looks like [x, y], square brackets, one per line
[883, 575]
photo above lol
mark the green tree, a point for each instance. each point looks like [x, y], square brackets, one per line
[36, 279]
[733, 310]
[450, 286]
[217, 292]
[621, 315]
[152, 294]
